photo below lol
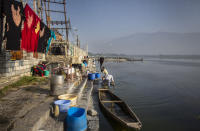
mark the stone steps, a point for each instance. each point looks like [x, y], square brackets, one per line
[53, 124]
[84, 97]
[38, 118]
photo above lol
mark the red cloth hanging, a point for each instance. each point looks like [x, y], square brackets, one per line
[30, 32]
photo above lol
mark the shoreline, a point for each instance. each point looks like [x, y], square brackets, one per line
[118, 59]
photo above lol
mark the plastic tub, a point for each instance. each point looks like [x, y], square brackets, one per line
[91, 76]
[71, 97]
[97, 75]
[76, 119]
[63, 105]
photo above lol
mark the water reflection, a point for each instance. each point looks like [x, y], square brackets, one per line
[165, 95]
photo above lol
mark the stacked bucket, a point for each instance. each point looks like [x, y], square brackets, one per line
[75, 117]
[93, 76]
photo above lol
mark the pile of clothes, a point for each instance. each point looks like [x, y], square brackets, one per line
[38, 70]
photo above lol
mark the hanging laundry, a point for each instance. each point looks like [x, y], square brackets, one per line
[45, 34]
[30, 32]
[49, 41]
[1, 9]
[35, 35]
[14, 15]
[1, 3]
[1, 23]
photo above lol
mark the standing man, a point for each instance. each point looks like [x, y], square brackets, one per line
[101, 60]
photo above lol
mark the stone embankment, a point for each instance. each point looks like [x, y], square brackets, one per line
[19, 102]
[29, 107]
[15, 68]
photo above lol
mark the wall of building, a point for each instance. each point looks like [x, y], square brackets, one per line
[78, 55]
[12, 68]
[73, 55]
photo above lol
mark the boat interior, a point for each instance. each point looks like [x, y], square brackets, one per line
[116, 106]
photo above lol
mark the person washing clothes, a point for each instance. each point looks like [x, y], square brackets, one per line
[107, 78]
[85, 63]
[104, 71]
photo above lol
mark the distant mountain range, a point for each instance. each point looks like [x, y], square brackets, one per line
[155, 44]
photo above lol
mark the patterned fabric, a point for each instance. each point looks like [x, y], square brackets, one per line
[38, 70]
[14, 15]
[44, 36]
[1, 23]
[1, 8]
[30, 33]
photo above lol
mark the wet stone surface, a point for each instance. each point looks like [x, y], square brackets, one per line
[17, 103]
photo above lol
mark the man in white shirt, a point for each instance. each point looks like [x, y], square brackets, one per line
[109, 79]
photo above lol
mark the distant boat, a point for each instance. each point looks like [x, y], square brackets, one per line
[118, 110]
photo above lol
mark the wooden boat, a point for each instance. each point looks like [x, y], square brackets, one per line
[118, 110]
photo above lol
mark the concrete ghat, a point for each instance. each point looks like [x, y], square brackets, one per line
[69, 86]
[86, 99]
[93, 104]
[85, 95]
[38, 116]
[33, 119]
[53, 124]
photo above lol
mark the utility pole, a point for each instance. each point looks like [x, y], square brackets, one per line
[45, 8]
[87, 49]
[77, 41]
[66, 25]
[49, 9]
[51, 22]
[41, 9]
[38, 8]
[34, 5]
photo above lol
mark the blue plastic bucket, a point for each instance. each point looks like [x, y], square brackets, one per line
[91, 76]
[76, 119]
[97, 75]
[63, 105]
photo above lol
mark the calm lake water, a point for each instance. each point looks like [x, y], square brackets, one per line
[165, 94]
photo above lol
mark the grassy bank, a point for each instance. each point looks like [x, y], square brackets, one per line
[26, 80]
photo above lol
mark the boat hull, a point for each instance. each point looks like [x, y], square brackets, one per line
[117, 120]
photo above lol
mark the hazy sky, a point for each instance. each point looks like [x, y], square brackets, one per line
[100, 21]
